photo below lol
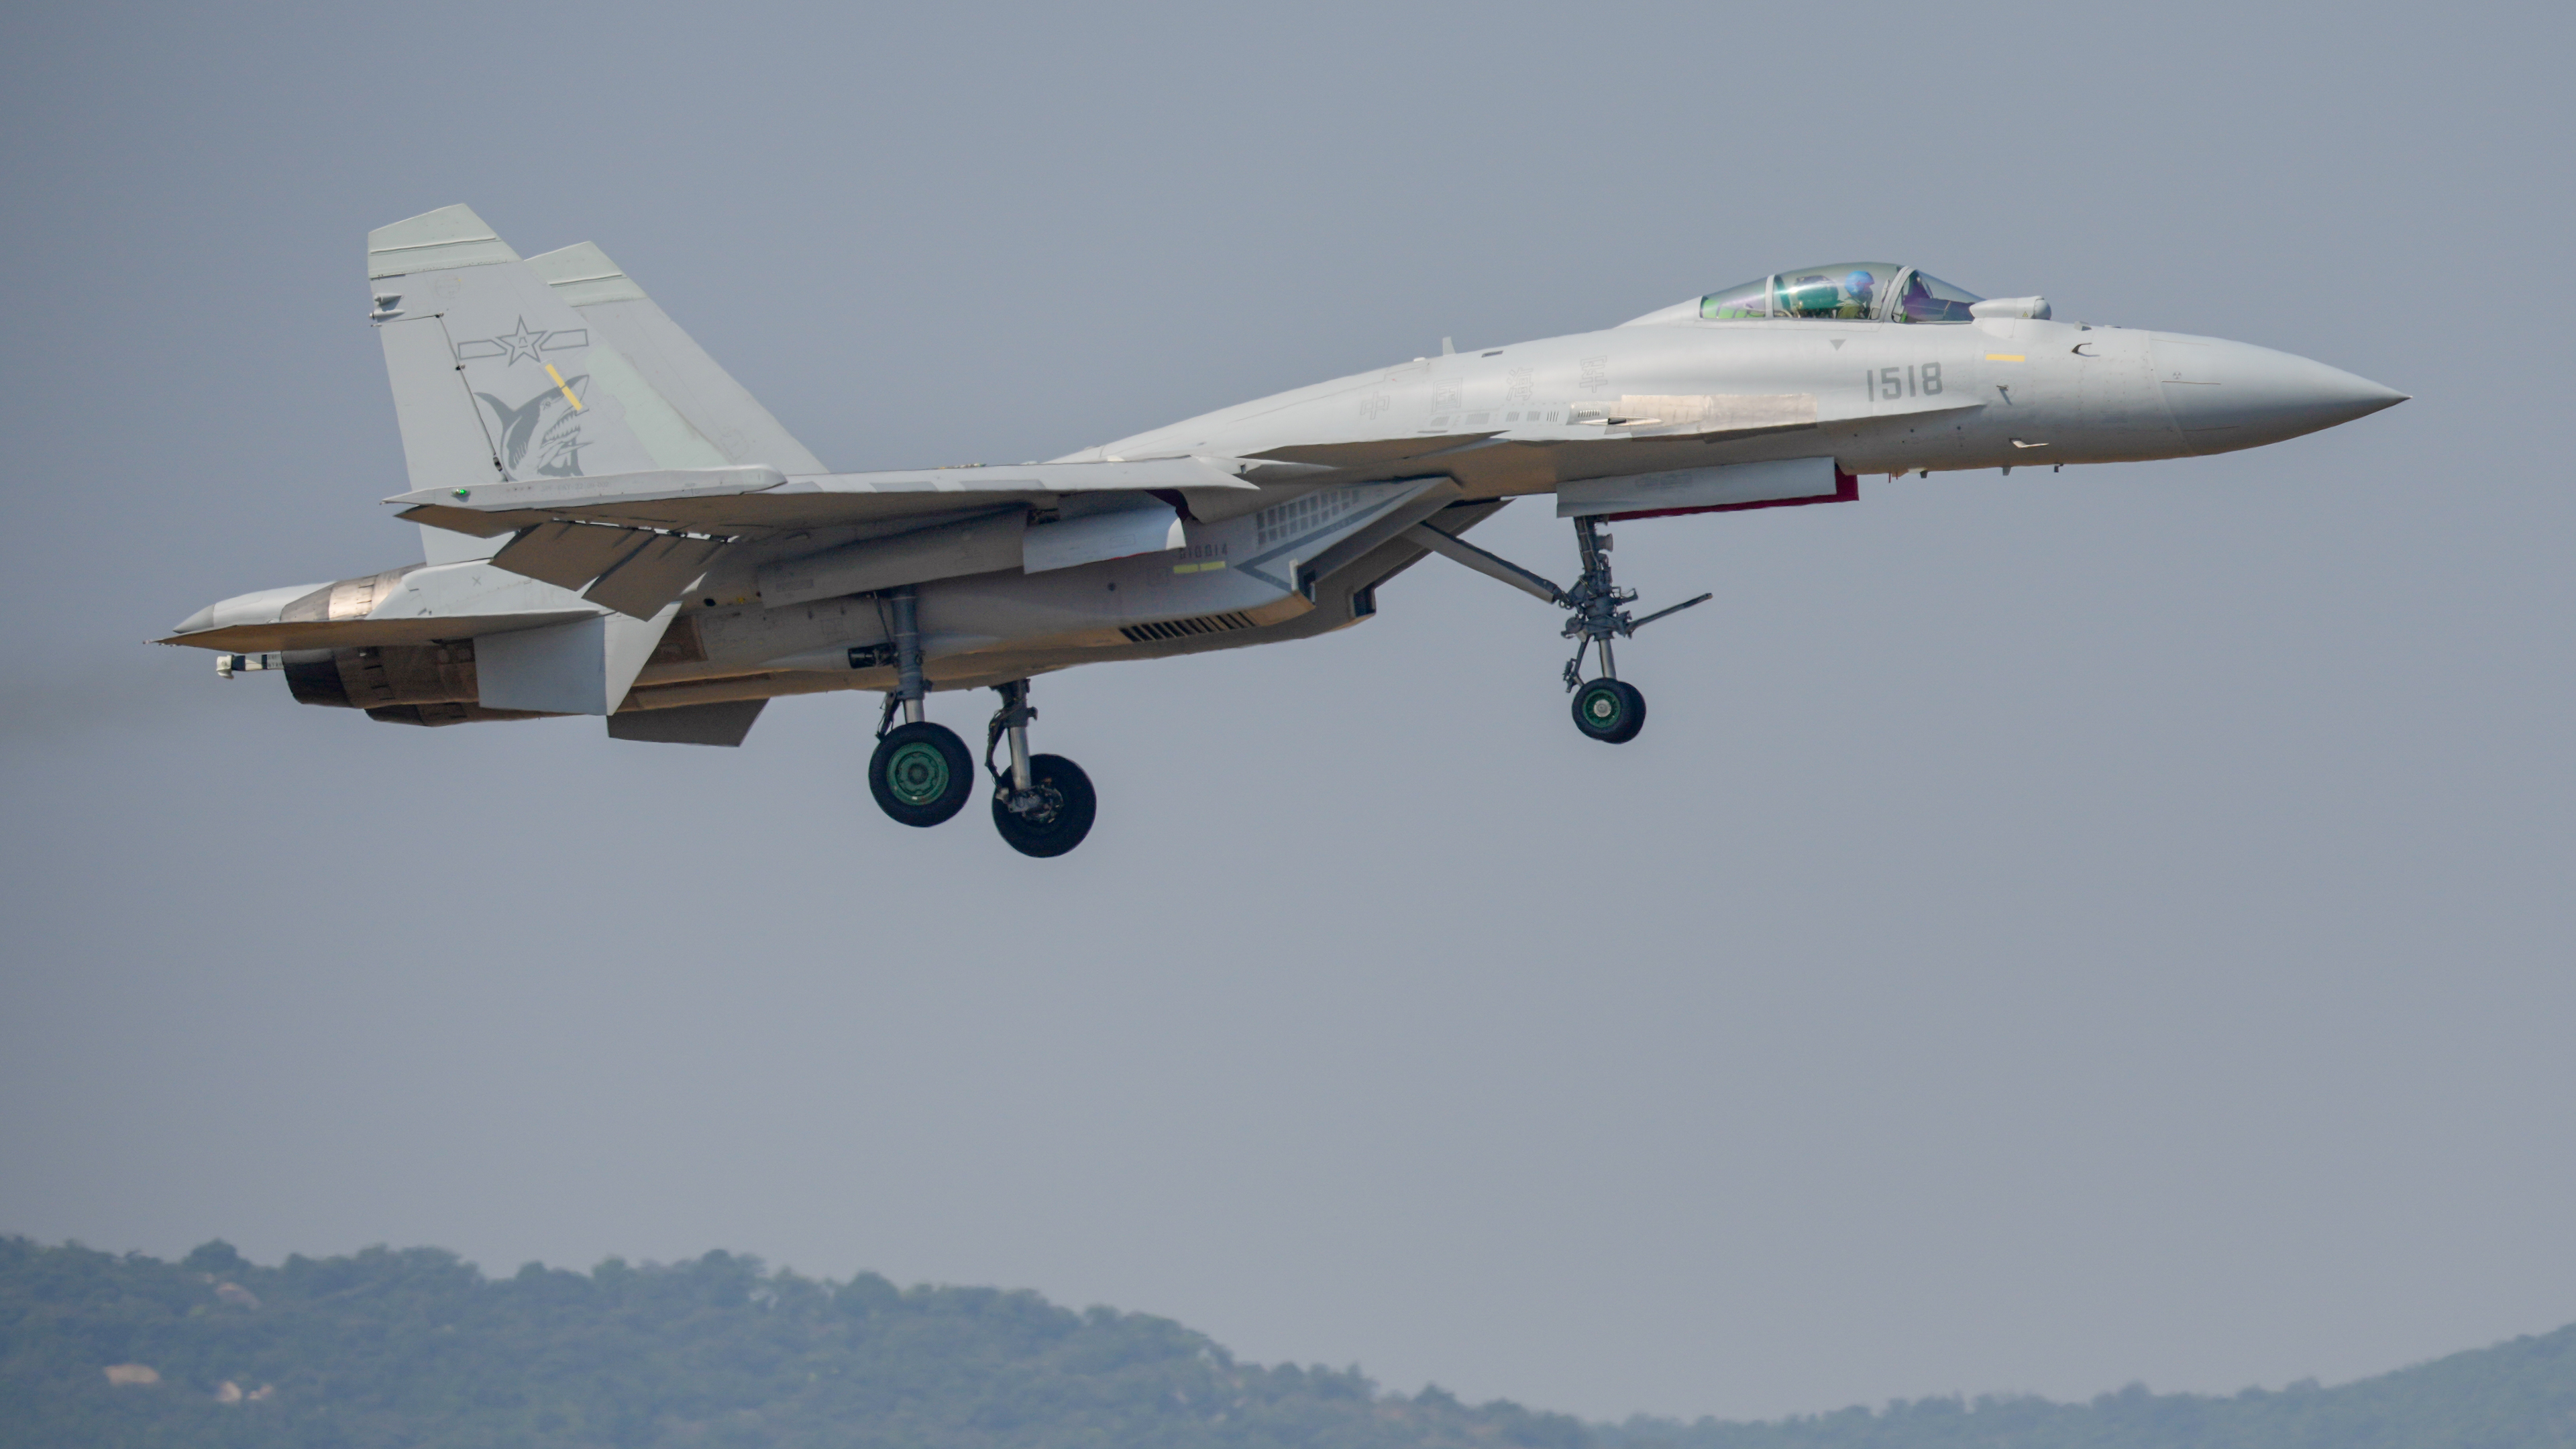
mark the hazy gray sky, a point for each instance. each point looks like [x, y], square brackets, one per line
[2055, 930]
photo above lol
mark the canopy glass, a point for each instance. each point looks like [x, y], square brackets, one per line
[1841, 291]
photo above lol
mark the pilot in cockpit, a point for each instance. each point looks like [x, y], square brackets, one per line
[1843, 291]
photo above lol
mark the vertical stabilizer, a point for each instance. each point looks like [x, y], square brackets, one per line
[707, 400]
[444, 445]
[495, 377]
[434, 241]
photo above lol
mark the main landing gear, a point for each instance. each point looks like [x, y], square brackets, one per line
[1042, 804]
[922, 775]
[1606, 708]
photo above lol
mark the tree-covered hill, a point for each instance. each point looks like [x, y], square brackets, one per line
[415, 1348]
[2516, 1395]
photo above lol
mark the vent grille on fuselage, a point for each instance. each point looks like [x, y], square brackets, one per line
[1184, 628]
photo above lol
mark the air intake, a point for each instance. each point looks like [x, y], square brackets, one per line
[1185, 628]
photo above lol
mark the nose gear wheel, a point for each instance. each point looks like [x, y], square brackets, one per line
[1609, 710]
[1605, 708]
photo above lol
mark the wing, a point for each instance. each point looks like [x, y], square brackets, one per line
[756, 502]
[641, 539]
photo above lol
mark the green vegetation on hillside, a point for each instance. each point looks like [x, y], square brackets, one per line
[416, 1348]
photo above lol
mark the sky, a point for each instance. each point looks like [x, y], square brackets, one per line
[2055, 930]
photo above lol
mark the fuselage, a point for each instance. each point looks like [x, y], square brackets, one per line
[1673, 391]
[1888, 398]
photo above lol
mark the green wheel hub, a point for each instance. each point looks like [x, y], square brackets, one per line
[1609, 711]
[917, 773]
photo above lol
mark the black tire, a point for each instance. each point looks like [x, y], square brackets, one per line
[1061, 822]
[1609, 710]
[921, 773]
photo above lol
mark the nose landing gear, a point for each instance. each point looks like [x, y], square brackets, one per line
[1606, 708]
[1609, 710]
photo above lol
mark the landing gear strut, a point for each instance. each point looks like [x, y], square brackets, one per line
[1606, 708]
[1042, 804]
[920, 773]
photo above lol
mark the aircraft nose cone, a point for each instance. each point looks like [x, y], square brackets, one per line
[2227, 395]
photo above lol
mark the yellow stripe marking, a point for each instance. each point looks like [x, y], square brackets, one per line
[1990, 357]
[576, 402]
[1199, 568]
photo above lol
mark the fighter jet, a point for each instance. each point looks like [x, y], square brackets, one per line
[611, 526]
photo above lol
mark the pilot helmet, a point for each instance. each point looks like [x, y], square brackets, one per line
[1860, 284]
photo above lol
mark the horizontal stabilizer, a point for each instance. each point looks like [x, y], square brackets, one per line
[723, 723]
[365, 633]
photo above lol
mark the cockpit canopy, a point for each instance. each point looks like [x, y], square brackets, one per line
[1842, 291]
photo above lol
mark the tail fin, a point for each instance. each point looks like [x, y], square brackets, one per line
[720, 409]
[498, 377]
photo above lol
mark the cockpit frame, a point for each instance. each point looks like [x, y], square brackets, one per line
[1785, 296]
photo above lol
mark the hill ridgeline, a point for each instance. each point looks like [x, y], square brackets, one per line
[417, 1349]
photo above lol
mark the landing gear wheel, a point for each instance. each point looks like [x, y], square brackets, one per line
[1609, 710]
[1057, 819]
[921, 773]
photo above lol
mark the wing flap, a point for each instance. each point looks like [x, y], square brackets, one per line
[652, 577]
[569, 555]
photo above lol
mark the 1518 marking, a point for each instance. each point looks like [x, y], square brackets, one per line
[1891, 383]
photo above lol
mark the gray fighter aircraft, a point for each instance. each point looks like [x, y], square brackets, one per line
[612, 526]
